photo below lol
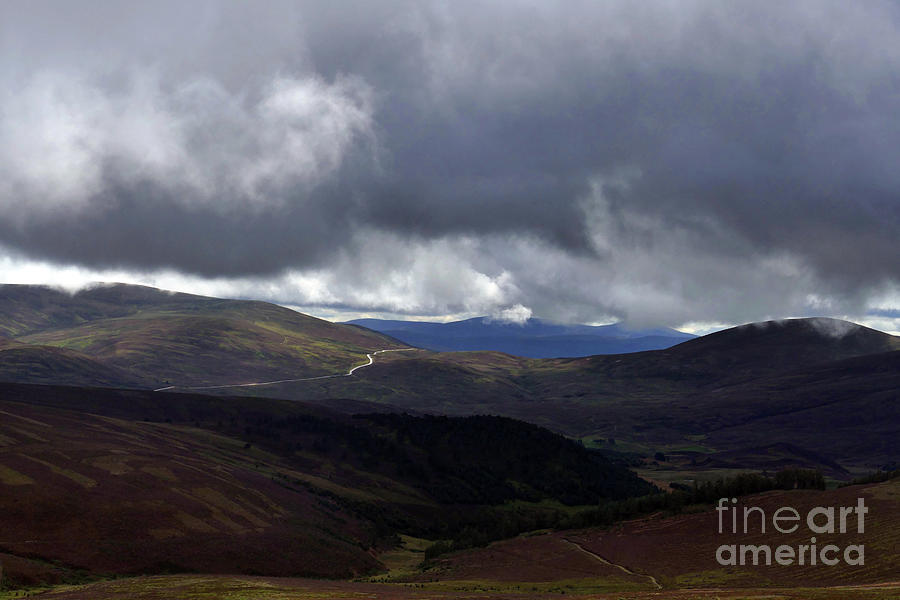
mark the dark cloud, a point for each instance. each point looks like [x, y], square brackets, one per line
[657, 162]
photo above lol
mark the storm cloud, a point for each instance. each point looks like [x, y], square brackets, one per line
[658, 162]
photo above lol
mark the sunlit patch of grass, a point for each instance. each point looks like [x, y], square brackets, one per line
[198, 587]
[402, 561]
[12, 477]
[590, 585]
[716, 578]
[165, 533]
[27, 434]
[26, 419]
[692, 448]
[194, 523]
[78, 478]
[79, 344]
[889, 490]
[114, 464]
[163, 473]
[216, 499]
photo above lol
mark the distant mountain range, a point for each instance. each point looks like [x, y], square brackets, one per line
[535, 338]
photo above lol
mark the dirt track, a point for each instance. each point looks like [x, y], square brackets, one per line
[622, 568]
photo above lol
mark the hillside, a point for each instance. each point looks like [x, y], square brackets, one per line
[134, 336]
[49, 364]
[701, 402]
[777, 346]
[112, 481]
[533, 338]
[796, 380]
[680, 551]
[656, 557]
[109, 481]
[104, 495]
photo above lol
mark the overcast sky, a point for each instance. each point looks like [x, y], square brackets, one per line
[664, 163]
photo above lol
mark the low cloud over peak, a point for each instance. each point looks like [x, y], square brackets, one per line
[516, 314]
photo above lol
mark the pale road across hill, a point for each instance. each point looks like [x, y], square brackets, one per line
[370, 356]
[622, 568]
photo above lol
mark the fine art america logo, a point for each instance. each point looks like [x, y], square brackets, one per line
[786, 520]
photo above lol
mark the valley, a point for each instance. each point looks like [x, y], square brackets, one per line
[704, 401]
[700, 403]
[157, 445]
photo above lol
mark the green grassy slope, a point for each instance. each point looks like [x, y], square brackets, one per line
[48, 364]
[153, 338]
[29, 309]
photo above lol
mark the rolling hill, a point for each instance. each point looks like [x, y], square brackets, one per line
[50, 364]
[134, 336]
[103, 481]
[796, 380]
[535, 338]
[103, 495]
[808, 383]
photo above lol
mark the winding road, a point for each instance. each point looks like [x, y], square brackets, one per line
[370, 356]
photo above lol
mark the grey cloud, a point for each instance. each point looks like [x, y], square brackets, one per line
[758, 145]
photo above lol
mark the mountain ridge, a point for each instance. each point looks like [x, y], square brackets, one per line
[146, 337]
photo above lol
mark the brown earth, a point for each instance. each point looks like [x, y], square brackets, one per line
[680, 551]
[113, 496]
[542, 558]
